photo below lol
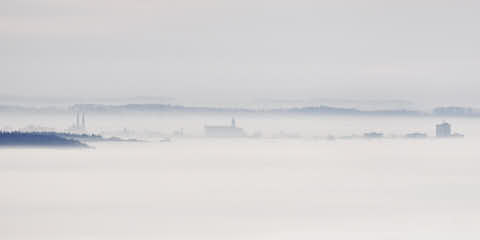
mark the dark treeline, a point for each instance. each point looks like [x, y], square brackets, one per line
[37, 139]
[91, 137]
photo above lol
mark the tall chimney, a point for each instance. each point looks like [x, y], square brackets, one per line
[83, 120]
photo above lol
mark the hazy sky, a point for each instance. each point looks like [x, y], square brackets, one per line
[420, 50]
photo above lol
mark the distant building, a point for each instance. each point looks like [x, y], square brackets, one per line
[416, 135]
[443, 130]
[458, 135]
[178, 133]
[224, 131]
[283, 134]
[373, 135]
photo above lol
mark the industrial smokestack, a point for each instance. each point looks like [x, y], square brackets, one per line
[83, 120]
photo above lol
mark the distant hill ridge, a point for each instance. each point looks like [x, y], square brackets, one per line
[311, 110]
[179, 108]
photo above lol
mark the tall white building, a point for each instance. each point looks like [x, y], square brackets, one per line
[444, 130]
